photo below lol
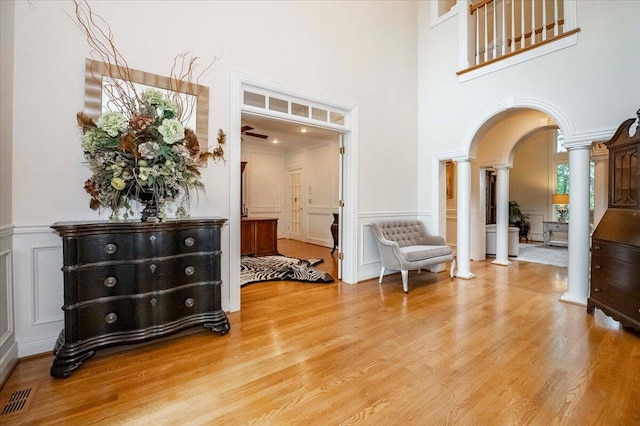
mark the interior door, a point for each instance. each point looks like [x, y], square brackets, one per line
[296, 221]
[340, 205]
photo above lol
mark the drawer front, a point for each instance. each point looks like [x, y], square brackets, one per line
[558, 227]
[137, 245]
[144, 277]
[602, 249]
[137, 314]
[616, 297]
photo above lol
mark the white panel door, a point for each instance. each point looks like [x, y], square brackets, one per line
[296, 222]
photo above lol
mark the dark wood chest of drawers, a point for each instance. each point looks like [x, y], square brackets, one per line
[126, 282]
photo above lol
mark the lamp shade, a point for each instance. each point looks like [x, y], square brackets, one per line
[560, 199]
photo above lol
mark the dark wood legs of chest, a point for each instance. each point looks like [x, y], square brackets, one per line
[69, 357]
[64, 365]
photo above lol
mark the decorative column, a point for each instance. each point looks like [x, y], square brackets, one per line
[463, 243]
[578, 281]
[600, 156]
[502, 217]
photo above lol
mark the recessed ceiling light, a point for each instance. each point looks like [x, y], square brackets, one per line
[303, 130]
[274, 141]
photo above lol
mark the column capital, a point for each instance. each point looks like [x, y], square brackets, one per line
[599, 152]
[462, 159]
[502, 167]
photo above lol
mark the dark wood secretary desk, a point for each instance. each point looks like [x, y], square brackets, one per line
[615, 247]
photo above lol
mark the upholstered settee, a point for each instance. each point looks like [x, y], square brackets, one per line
[406, 245]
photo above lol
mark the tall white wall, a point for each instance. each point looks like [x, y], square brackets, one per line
[364, 53]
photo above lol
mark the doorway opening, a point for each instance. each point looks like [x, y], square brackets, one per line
[259, 99]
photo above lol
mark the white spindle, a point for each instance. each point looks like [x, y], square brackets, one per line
[513, 26]
[533, 22]
[555, 18]
[544, 20]
[522, 32]
[486, 34]
[503, 50]
[495, 32]
[477, 37]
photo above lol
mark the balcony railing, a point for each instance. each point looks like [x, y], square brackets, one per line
[499, 29]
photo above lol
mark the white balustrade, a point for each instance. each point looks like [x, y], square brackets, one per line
[503, 27]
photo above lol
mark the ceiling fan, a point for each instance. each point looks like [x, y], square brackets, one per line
[246, 131]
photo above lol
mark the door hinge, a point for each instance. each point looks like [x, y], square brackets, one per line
[341, 203]
[342, 150]
[341, 256]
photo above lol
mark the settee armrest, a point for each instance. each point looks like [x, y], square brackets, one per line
[434, 240]
[390, 254]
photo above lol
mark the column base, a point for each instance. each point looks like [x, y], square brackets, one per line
[465, 276]
[501, 262]
[574, 300]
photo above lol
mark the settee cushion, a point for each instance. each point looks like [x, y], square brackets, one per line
[417, 253]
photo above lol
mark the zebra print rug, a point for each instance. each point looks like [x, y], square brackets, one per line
[280, 268]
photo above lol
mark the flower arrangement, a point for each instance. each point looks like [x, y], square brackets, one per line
[144, 153]
[141, 149]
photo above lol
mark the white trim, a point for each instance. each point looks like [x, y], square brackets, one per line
[568, 298]
[6, 230]
[437, 20]
[37, 229]
[387, 214]
[36, 347]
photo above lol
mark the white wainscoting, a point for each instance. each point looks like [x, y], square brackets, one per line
[38, 289]
[319, 220]
[536, 217]
[8, 345]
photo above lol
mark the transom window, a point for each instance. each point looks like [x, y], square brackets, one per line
[263, 102]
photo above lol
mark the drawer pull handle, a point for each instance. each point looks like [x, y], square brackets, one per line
[598, 248]
[110, 318]
[597, 290]
[598, 267]
[110, 248]
[189, 242]
[110, 282]
[189, 302]
[153, 301]
[152, 268]
[189, 270]
[152, 238]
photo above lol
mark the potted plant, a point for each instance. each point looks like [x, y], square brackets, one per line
[519, 220]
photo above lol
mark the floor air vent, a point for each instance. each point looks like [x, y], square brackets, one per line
[18, 402]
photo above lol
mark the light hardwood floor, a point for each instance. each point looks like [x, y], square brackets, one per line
[500, 349]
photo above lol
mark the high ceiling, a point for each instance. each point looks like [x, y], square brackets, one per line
[289, 135]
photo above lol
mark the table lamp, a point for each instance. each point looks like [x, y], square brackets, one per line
[561, 200]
